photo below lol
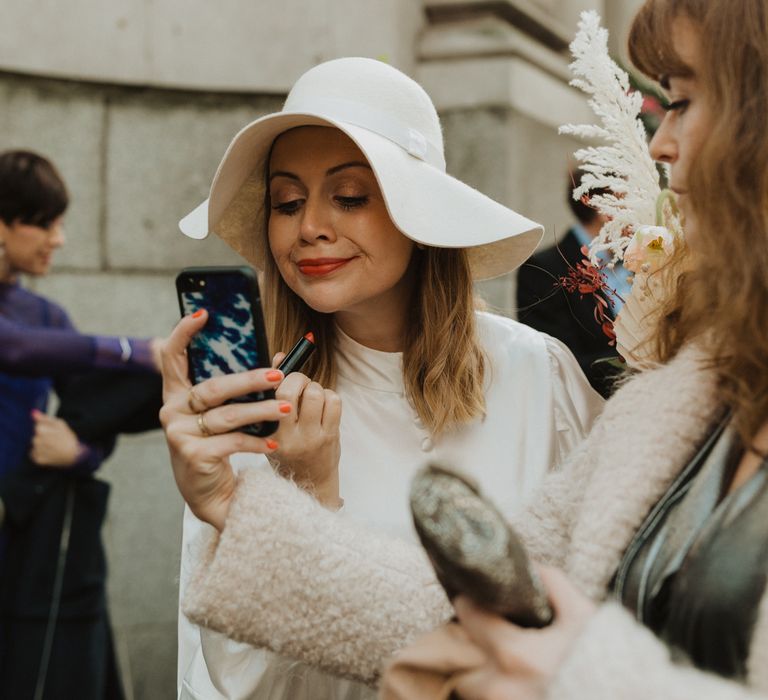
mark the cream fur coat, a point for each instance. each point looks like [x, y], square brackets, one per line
[290, 576]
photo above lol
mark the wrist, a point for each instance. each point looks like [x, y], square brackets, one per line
[216, 513]
[327, 493]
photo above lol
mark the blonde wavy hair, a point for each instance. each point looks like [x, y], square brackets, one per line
[443, 364]
[721, 299]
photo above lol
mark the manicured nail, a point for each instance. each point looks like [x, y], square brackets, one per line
[271, 444]
[274, 375]
[285, 407]
[198, 313]
[34, 413]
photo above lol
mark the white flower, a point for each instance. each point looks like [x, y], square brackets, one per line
[649, 249]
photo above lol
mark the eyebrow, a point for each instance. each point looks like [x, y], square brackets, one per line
[665, 79]
[331, 171]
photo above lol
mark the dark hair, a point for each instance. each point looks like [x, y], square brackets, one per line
[31, 189]
[583, 212]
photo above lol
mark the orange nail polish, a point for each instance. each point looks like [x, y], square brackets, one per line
[274, 375]
[271, 444]
[285, 407]
[198, 313]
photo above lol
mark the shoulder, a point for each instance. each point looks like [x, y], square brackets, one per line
[58, 317]
[37, 310]
[498, 333]
[509, 343]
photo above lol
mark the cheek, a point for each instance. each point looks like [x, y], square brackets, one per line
[279, 241]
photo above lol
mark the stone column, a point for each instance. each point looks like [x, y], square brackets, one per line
[498, 74]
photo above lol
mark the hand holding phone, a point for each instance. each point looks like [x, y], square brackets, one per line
[234, 338]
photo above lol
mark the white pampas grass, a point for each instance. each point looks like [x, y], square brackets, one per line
[623, 165]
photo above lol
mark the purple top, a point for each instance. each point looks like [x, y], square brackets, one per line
[38, 347]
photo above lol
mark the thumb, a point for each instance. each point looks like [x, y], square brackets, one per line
[278, 358]
[40, 418]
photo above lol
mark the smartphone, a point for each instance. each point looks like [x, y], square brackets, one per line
[233, 339]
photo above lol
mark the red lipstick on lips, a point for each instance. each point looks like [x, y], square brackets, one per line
[317, 267]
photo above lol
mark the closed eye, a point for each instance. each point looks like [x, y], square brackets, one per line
[348, 203]
[677, 106]
[288, 208]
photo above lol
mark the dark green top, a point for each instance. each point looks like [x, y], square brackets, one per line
[696, 570]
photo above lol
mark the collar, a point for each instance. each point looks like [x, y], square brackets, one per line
[372, 369]
[582, 236]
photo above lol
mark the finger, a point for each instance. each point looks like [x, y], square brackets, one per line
[227, 418]
[564, 597]
[217, 448]
[174, 351]
[41, 418]
[215, 391]
[480, 685]
[291, 390]
[331, 411]
[278, 358]
[490, 632]
[311, 409]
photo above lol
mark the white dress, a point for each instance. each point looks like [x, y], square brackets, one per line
[538, 406]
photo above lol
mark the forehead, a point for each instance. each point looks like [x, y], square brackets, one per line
[686, 38]
[309, 146]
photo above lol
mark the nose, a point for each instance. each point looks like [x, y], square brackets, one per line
[57, 238]
[316, 221]
[663, 146]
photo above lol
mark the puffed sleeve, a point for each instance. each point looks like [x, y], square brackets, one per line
[576, 403]
[287, 575]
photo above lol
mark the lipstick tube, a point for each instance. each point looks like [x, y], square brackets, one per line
[298, 355]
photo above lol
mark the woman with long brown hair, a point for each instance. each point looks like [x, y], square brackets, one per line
[343, 202]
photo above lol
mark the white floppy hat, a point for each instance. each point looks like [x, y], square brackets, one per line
[394, 123]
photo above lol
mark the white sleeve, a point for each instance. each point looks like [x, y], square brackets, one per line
[576, 403]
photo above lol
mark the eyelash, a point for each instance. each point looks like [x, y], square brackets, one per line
[677, 106]
[347, 203]
[288, 208]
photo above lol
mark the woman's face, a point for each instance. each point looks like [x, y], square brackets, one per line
[329, 231]
[29, 249]
[687, 122]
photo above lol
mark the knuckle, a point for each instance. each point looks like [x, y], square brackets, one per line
[187, 452]
[239, 442]
[166, 415]
[174, 433]
[332, 398]
[228, 414]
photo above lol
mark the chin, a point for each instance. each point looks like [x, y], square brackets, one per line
[322, 307]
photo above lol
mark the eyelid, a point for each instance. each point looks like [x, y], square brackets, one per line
[676, 105]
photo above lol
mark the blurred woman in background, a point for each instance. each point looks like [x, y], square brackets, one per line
[56, 640]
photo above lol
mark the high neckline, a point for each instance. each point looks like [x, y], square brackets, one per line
[373, 369]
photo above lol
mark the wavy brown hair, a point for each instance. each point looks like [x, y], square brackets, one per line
[721, 299]
[443, 364]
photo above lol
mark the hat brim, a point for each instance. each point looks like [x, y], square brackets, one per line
[425, 204]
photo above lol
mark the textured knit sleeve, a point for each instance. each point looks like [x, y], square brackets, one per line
[287, 575]
[617, 658]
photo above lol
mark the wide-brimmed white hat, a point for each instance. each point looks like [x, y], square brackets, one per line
[394, 123]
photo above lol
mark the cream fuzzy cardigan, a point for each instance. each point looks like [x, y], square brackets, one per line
[288, 575]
